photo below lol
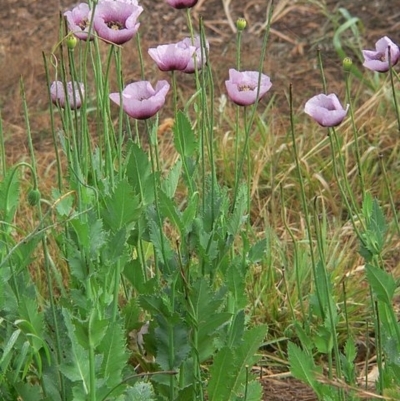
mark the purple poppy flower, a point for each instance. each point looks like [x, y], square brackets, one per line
[378, 59]
[140, 100]
[175, 56]
[78, 20]
[73, 98]
[242, 86]
[201, 54]
[116, 21]
[182, 3]
[326, 110]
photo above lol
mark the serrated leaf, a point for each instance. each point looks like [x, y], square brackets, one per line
[63, 203]
[254, 391]
[246, 352]
[207, 304]
[172, 342]
[28, 392]
[383, 284]
[141, 391]
[169, 210]
[122, 207]
[77, 368]
[236, 283]
[9, 196]
[6, 352]
[236, 329]
[257, 251]
[169, 185]
[189, 214]
[302, 367]
[161, 245]
[367, 207]
[222, 375]
[228, 372]
[238, 216]
[140, 174]
[184, 138]
[113, 349]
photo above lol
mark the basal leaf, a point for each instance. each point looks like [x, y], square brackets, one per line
[246, 352]
[383, 284]
[172, 342]
[302, 367]
[76, 368]
[223, 373]
[113, 349]
[228, 372]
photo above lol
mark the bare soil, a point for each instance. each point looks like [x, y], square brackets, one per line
[30, 27]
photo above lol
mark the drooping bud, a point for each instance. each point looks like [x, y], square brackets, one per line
[33, 197]
[241, 24]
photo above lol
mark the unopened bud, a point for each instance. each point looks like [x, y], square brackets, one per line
[71, 41]
[33, 197]
[347, 64]
[241, 24]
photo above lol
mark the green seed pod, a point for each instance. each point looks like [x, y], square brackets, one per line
[33, 197]
[241, 24]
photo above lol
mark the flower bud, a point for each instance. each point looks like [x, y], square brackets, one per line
[33, 197]
[71, 41]
[241, 24]
[347, 64]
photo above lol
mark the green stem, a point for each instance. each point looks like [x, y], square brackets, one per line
[396, 107]
[45, 249]
[304, 201]
[355, 134]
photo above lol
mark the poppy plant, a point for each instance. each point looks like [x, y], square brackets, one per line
[242, 87]
[78, 20]
[378, 59]
[140, 100]
[326, 110]
[182, 3]
[116, 21]
[73, 96]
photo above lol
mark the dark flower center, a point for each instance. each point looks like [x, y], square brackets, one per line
[246, 88]
[83, 24]
[116, 25]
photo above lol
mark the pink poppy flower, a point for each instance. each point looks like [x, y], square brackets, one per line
[175, 56]
[242, 87]
[378, 59]
[140, 100]
[73, 96]
[326, 110]
[182, 3]
[116, 21]
[78, 20]
[200, 54]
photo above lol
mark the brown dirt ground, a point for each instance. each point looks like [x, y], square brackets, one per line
[299, 27]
